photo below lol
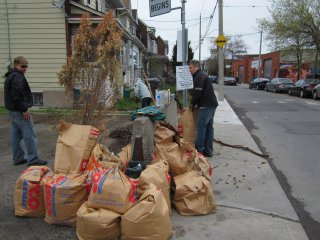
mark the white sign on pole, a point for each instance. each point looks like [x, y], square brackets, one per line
[158, 7]
[183, 78]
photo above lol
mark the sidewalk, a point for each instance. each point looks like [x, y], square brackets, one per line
[251, 203]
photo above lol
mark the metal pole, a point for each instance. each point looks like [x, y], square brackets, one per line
[184, 44]
[259, 62]
[220, 56]
[200, 40]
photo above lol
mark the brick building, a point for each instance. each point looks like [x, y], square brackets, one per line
[274, 64]
[247, 68]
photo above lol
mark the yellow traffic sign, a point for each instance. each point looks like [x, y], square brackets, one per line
[220, 41]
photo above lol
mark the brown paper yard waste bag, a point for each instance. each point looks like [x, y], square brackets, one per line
[101, 158]
[125, 156]
[64, 194]
[187, 124]
[180, 156]
[163, 134]
[97, 224]
[193, 195]
[203, 165]
[112, 190]
[148, 219]
[73, 148]
[28, 198]
[98, 154]
[156, 174]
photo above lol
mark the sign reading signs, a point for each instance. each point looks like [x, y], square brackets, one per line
[184, 78]
[220, 41]
[158, 7]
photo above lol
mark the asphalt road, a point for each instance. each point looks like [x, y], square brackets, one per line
[288, 129]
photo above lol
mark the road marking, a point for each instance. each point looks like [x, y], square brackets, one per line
[289, 100]
[255, 102]
[312, 103]
[282, 102]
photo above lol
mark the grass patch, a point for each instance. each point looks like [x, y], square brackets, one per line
[3, 110]
[62, 111]
[126, 105]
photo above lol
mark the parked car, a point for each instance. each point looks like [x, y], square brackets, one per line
[303, 87]
[213, 78]
[316, 92]
[259, 83]
[279, 85]
[230, 81]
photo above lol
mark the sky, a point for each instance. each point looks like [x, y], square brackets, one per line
[239, 18]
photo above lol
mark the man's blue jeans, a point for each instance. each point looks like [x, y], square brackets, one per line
[22, 129]
[205, 132]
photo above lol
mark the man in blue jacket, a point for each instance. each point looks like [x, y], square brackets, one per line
[203, 96]
[18, 99]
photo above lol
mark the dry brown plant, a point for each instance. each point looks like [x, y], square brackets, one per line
[93, 74]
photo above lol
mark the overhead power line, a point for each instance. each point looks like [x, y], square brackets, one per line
[178, 28]
[188, 20]
[210, 21]
[237, 35]
[239, 6]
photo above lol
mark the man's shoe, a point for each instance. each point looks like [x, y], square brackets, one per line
[38, 163]
[20, 162]
[207, 155]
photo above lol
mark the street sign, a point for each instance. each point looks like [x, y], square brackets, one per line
[158, 7]
[220, 41]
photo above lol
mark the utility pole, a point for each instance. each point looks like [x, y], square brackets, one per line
[259, 62]
[200, 40]
[220, 54]
[184, 44]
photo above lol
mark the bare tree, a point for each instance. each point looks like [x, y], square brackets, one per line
[234, 46]
[94, 69]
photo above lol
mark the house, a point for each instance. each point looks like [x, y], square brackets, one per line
[38, 32]
[134, 52]
[157, 60]
[43, 32]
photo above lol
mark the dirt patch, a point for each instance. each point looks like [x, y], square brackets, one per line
[117, 134]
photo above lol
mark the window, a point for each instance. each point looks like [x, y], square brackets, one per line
[37, 98]
[134, 57]
[133, 30]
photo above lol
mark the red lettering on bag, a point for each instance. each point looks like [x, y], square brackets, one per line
[132, 196]
[33, 203]
[180, 130]
[84, 164]
[33, 196]
[95, 179]
[95, 132]
[48, 195]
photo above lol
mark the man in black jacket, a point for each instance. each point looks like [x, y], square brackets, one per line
[203, 96]
[18, 99]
